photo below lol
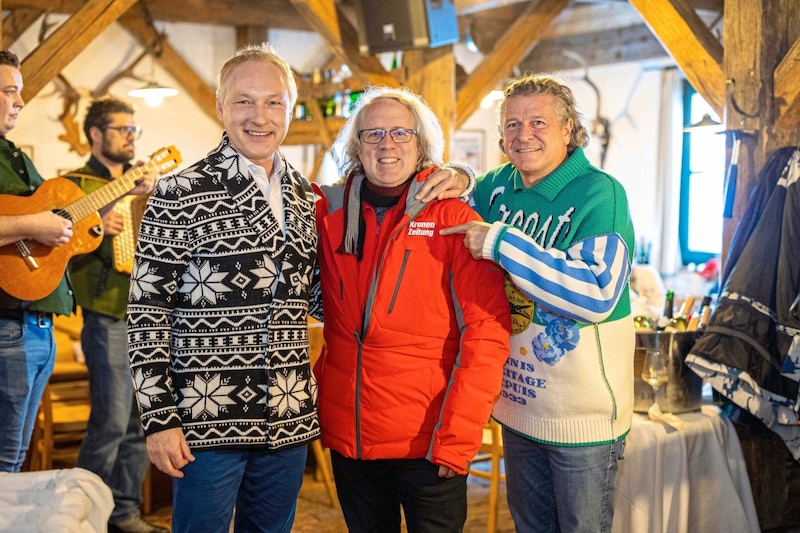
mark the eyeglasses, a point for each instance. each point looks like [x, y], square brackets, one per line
[376, 135]
[126, 131]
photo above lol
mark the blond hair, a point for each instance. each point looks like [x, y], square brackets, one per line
[257, 52]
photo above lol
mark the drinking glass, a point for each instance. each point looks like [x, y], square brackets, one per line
[655, 370]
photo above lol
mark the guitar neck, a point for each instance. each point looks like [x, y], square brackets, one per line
[106, 194]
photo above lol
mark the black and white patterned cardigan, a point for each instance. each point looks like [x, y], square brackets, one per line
[212, 348]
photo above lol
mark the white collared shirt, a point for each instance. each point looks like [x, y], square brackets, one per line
[270, 185]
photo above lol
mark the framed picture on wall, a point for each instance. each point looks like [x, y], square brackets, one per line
[468, 148]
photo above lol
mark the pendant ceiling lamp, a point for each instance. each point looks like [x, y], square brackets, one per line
[153, 93]
[705, 122]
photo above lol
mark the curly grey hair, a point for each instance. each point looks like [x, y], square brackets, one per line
[429, 138]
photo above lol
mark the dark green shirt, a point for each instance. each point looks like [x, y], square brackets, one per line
[18, 177]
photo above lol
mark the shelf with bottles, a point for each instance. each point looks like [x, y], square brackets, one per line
[331, 94]
[306, 132]
[337, 104]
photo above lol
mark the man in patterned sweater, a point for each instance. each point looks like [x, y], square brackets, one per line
[217, 314]
[561, 230]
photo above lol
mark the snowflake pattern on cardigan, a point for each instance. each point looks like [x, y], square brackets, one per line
[218, 308]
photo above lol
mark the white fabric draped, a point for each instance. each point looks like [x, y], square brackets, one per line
[689, 481]
[72, 500]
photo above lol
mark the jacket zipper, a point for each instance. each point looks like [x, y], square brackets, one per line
[360, 336]
[360, 343]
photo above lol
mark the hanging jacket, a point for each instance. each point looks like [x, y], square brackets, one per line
[416, 333]
[750, 350]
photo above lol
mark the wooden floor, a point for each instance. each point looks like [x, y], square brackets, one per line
[315, 515]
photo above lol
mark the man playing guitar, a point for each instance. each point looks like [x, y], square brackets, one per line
[114, 446]
[27, 347]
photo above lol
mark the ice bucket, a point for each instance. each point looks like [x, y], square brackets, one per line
[684, 389]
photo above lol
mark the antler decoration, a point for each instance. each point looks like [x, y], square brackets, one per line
[71, 97]
[72, 132]
[127, 72]
[601, 126]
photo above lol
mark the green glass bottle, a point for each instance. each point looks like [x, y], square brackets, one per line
[666, 316]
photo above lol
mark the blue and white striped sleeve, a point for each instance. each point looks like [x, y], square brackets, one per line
[583, 283]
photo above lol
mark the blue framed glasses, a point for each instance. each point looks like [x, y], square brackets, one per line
[376, 135]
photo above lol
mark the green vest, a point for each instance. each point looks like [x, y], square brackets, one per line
[19, 177]
[98, 286]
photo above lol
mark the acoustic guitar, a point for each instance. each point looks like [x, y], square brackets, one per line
[30, 270]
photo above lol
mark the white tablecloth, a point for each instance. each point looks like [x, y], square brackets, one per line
[60, 501]
[693, 480]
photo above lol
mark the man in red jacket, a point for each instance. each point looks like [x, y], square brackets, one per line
[416, 331]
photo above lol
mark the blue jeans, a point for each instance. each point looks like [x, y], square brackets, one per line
[114, 446]
[560, 488]
[263, 487]
[27, 355]
[371, 494]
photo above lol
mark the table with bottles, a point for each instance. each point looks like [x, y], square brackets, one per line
[688, 480]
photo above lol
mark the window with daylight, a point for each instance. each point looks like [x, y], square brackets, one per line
[702, 183]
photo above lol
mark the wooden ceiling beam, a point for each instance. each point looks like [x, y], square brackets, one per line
[273, 13]
[787, 90]
[246, 35]
[70, 39]
[467, 7]
[321, 16]
[315, 115]
[431, 73]
[16, 22]
[634, 43]
[691, 44]
[509, 50]
[171, 61]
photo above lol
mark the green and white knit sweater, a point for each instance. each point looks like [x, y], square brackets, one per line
[566, 245]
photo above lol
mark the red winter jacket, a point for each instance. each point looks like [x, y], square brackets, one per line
[416, 334]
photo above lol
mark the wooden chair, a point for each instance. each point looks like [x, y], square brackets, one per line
[60, 425]
[324, 471]
[491, 450]
[65, 406]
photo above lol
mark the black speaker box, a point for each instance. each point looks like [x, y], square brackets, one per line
[389, 25]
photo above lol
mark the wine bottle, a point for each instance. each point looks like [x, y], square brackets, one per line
[680, 322]
[642, 323]
[700, 318]
[704, 318]
[666, 316]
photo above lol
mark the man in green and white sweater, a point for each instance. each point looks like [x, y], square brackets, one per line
[561, 230]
